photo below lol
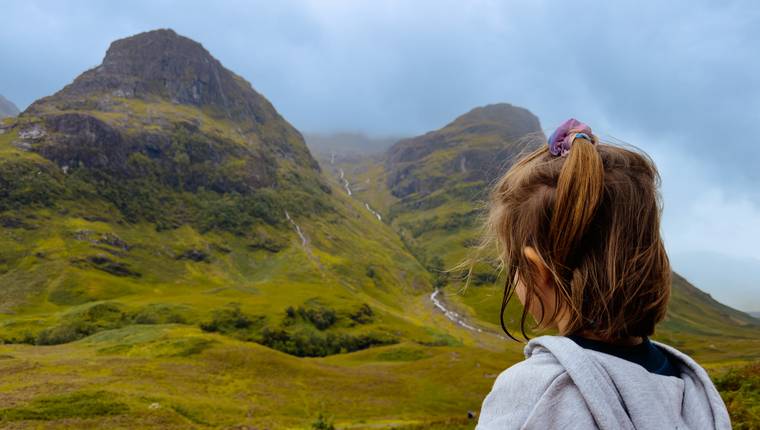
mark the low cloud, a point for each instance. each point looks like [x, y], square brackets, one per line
[678, 79]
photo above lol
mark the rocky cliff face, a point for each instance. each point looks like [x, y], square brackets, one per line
[163, 65]
[7, 108]
[162, 116]
[472, 148]
[154, 85]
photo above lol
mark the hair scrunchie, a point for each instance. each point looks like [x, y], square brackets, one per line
[562, 139]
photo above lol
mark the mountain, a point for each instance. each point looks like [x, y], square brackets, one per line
[160, 177]
[738, 278]
[694, 311]
[161, 113]
[159, 213]
[430, 187]
[7, 108]
[469, 150]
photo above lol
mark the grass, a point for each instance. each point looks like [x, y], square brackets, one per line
[75, 405]
[113, 321]
[140, 334]
[740, 388]
[243, 383]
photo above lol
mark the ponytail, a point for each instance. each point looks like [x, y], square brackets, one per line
[580, 187]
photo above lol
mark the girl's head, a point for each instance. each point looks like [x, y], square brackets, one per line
[576, 225]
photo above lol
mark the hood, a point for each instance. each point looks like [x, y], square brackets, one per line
[623, 395]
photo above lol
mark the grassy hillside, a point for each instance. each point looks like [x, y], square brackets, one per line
[171, 255]
[170, 376]
[74, 253]
[125, 305]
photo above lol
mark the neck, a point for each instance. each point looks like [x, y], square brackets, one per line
[625, 341]
[563, 322]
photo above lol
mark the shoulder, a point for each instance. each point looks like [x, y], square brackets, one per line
[695, 376]
[537, 393]
[680, 357]
[517, 391]
[539, 366]
[685, 363]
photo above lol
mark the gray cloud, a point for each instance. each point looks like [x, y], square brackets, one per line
[675, 78]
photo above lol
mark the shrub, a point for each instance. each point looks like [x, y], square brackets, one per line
[310, 343]
[320, 316]
[26, 183]
[64, 333]
[77, 325]
[363, 315]
[74, 405]
[481, 278]
[322, 423]
[158, 313]
[236, 212]
[232, 321]
[436, 266]
[267, 243]
[740, 389]
[307, 339]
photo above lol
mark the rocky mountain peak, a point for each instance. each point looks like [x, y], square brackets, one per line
[499, 123]
[514, 121]
[161, 107]
[471, 149]
[161, 64]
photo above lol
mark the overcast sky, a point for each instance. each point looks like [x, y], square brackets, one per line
[680, 79]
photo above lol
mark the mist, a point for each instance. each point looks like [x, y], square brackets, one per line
[677, 79]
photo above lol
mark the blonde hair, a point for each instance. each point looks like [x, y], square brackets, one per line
[593, 217]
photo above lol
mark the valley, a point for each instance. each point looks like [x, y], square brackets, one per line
[173, 255]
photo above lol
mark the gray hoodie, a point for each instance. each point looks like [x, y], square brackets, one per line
[561, 385]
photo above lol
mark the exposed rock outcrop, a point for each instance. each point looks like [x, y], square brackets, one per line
[162, 97]
[472, 148]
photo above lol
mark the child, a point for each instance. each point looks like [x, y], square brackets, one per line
[576, 225]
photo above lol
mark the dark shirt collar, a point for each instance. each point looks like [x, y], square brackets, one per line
[645, 354]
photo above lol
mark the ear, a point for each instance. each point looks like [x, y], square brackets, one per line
[544, 276]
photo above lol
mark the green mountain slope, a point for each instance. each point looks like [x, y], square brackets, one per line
[172, 256]
[469, 151]
[161, 181]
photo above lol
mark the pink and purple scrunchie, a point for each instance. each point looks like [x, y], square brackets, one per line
[562, 139]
